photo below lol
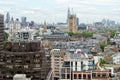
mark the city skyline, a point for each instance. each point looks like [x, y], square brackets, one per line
[88, 11]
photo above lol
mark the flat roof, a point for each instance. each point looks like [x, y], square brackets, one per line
[20, 75]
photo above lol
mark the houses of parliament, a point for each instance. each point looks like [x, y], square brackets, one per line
[72, 22]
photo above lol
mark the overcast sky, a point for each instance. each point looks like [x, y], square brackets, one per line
[87, 11]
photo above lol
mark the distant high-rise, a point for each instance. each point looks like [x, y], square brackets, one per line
[7, 18]
[108, 22]
[112, 23]
[77, 21]
[1, 31]
[103, 21]
[17, 19]
[68, 13]
[23, 21]
[32, 24]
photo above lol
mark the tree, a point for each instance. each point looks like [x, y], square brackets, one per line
[102, 46]
[108, 41]
[5, 35]
[112, 33]
[37, 34]
[71, 33]
[87, 34]
[102, 62]
[83, 34]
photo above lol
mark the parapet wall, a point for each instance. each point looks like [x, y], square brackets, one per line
[22, 46]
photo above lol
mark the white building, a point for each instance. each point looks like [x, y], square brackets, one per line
[26, 34]
[76, 62]
[19, 77]
[116, 58]
[17, 33]
[97, 58]
[14, 26]
[110, 68]
[62, 27]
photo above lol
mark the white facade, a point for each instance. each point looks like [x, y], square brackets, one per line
[111, 69]
[76, 62]
[81, 64]
[19, 77]
[13, 26]
[17, 33]
[62, 28]
[97, 58]
[116, 58]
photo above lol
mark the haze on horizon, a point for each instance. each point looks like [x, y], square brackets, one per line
[88, 11]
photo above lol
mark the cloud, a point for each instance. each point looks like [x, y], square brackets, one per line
[8, 3]
[116, 10]
[2, 11]
[56, 10]
[99, 2]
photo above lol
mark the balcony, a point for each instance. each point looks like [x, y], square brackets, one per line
[90, 63]
[1, 63]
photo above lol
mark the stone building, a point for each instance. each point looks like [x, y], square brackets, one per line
[72, 27]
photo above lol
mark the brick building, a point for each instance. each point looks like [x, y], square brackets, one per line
[24, 58]
[1, 31]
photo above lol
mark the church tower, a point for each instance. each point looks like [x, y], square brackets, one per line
[44, 27]
[72, 23]
[11, 29]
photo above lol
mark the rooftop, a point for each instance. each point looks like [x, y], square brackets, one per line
[117, 54]
[78, 54]
[20, 75]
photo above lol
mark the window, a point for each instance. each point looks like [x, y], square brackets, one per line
[27, 61]
[18, 61]
[103, 74]
[98, 74]
[9, 66]
[37, 65]
[26, 66]
[67, 64]
[75, 76]
[71, 64]
[90, 62]
[63, 70]
[81, 65]
[90, 67]
[89, 77]
[36, 60]
[25, 35]
[84, 76]
[68, 70]
[93, 75]
[75, 66]
[68, 76]
[79, 76]
[8, 61]
[37, 55]
[63, 76]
